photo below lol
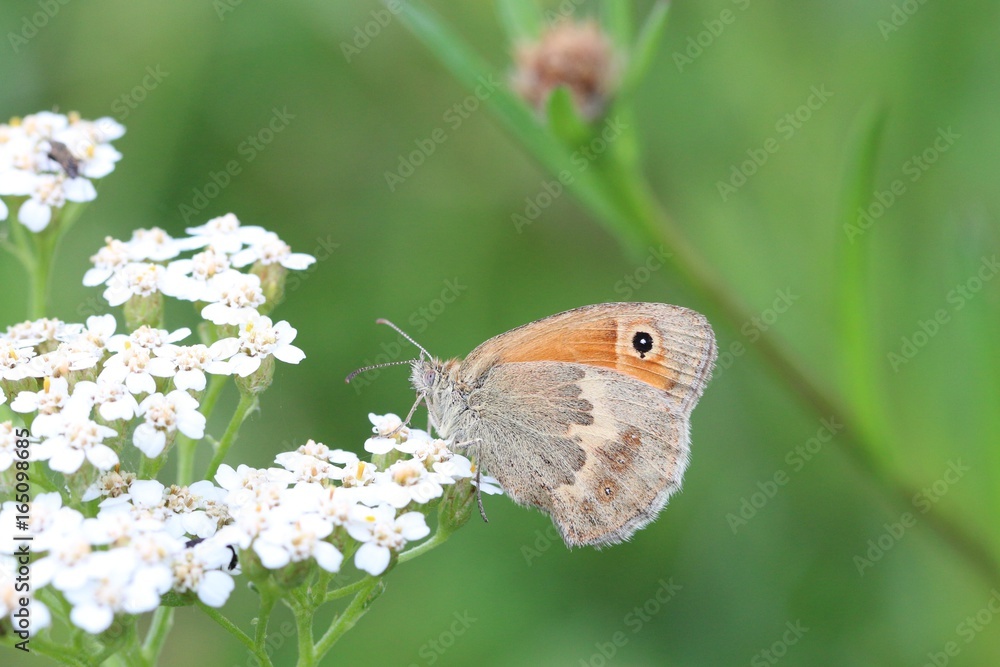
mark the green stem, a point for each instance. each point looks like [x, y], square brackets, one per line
[231, 628]
[344, 591]
[44, 249]
[247, 403]
[304, 628]
[186, 447]
[372, 588]
[267, 600]
[163, 621]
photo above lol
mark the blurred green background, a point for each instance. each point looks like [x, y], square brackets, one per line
[224, 68]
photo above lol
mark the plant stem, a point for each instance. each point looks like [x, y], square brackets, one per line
[231, 628]
[372, 588]
[186, 447]
[247, 403]
[40, 276]
[344, 591]
[163, 621]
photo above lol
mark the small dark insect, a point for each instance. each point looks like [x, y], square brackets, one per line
[59, 152]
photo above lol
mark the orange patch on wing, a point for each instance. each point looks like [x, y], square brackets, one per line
[601, 343]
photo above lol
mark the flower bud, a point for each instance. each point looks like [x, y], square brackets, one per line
[579, 56]
[258, 381]
[148, 310]
[272, 284]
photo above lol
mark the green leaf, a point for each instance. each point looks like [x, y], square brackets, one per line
[618, 22]
[642, 53]
[522, 19]
[861, 382]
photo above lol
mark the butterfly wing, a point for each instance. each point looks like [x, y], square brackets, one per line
[598, 451]
[667, 347]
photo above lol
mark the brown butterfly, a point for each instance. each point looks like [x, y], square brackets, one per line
[583, 414]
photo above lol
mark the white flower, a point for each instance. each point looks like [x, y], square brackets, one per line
[358, 473]
[72, 437]
[52, 191]
[113, 399]
[404, 482]
[149, 338]
[93, 337]
[308, 468]
[48, 401]
[201, 568]
[388, 427]
[114, 585]
[35, 332]
[134, 279]
[284, 543]
[12, 593]
[132, 365]
[155, 245]
[113, 257]
[226, 234]
[110, 484]
[14, 359]
[259, 339]
[234, 298]
[8, 446]
[189, 363]
[269, 249]
[382, 533]
[189, 278]
[164, 415]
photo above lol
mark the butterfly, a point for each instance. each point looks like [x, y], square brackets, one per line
[584, 415]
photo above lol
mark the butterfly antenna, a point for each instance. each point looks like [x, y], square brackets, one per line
[403, 334]
[373, 367]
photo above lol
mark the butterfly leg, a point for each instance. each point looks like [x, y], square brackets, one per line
[406, 422]
[479, 473]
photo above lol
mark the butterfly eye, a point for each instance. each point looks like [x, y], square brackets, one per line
[642, 342]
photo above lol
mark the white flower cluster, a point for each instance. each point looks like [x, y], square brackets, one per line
[321, 498]
[147, 539]
[85, 384]
[50, 158]
[149, 264]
